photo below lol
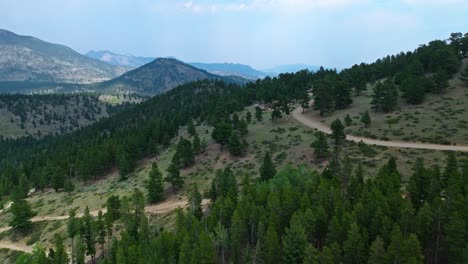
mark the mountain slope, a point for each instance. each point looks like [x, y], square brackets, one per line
[226, 69]
[126, 60]
[25, 58]
[159, 76]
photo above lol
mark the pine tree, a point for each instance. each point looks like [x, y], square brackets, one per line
[464, 76]
[234, 146]
[365, 119]
[243, 127]
[195, 201]
[248, 116]
[221, 133]
[348, 121]
[354, 246]
[61, 255]
[320, 145]
[377, 254]
[174, 177]
[418, 184]
[338, 133]
[89, 233]
[204, 252]
[271, 245]
[455, 245]
[22, 214]
[276, 113]
[305, 101]
[385, 97]
[267, 169]
[258, 113]
[73, 229]
[101, 230]
[39, 255]
[294, 241]
[154, 186]
[312, 255]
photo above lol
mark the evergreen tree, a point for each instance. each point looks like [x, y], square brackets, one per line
[191, 128]
[258, 113]
[248, 116]
[22, 214]
[365, 119]
[89, 233]
[73, 229]
[276, 113]
[385, 97]
[39, 255]
[311, 255]
[323, 98]
[305, 102]
[235, 147]
[455, 245]
[354, 247]
[464, 76]
[174, 177]
[195, 201]
[320, 145]
[377, 252]
[267, 169]
[294, 241]
[154, 186]
[221, 133]
[68, 187]
[338, 133]
[61, 255]
[125, 164]
[348, 121]
[243, 127]
[440, 80]
[101, 230]
[272, 246]
[414, 89]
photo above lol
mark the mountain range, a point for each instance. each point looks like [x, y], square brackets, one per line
[223, 69]
[25, 58]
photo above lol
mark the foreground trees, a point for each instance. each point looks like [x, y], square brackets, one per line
[22, 214]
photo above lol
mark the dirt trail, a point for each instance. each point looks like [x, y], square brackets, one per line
[161, 208]
[312, 122]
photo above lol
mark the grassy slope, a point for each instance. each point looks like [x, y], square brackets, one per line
[288, 140]
[439, 119]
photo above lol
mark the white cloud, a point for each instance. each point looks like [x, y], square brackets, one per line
[385, 18]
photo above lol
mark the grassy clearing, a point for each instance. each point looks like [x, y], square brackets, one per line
[441, 119]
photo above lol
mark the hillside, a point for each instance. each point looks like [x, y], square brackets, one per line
[252, 183]
[158, 76]
[25, 58]
[41, 115]
[125, 60]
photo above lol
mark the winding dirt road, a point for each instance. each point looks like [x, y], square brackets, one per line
[161, 208]
[312, 122]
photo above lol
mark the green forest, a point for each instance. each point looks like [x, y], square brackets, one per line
[280, 215]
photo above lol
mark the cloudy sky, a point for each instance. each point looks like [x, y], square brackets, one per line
[262, 33]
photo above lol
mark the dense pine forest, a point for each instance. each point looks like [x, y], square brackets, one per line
[292, 216]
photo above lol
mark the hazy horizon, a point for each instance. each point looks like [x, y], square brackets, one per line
[260, 33]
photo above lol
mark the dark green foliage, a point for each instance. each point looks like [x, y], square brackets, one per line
[464, 75]
[195, 201]
[385, 96]
[173, 176]
[235, 146]
[294, 241]
[365, 119]
[221, 133]
[184, 155]
[258, 113]
[22, 214]
[305, 101]
[414, 89]
[60, 254]
[348, 121]
[267, 169]
[338, 133]
[154, 186]
[320, 145]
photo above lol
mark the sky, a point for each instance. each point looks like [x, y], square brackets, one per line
[261, 33]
